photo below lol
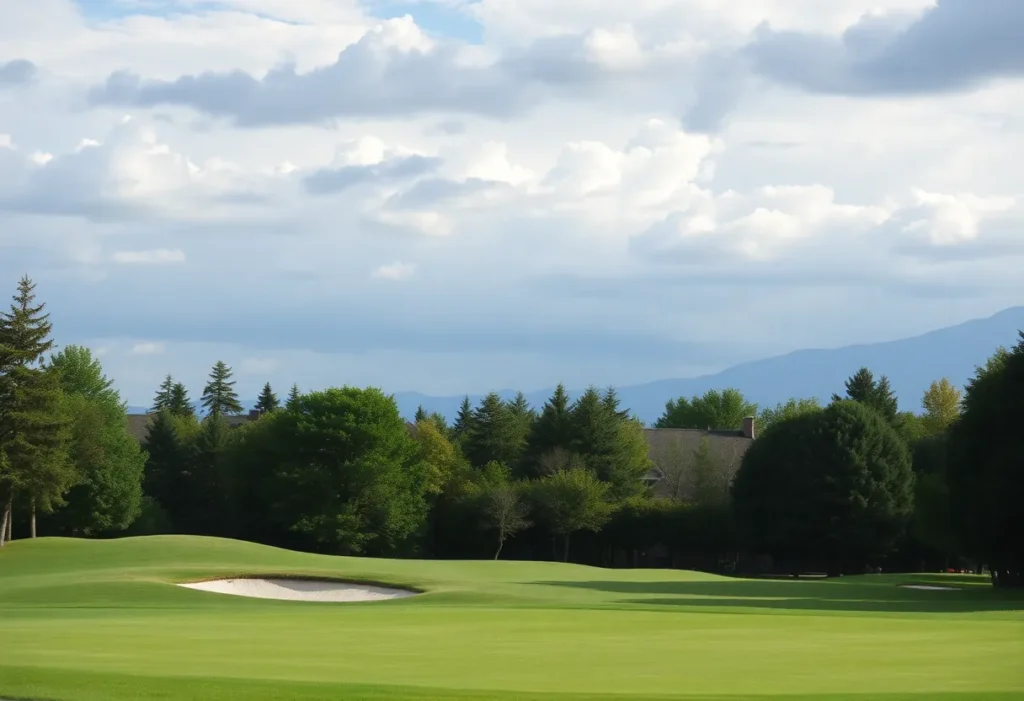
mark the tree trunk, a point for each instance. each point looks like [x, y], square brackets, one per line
[501, 542]
[5, 520]
[32, 519]
[565, 552]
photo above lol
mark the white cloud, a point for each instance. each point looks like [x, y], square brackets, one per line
[147, 348]
[158, 256]
[575, 223]
[395, 271]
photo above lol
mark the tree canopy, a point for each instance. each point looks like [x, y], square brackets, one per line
[723, 409]
[833, 487]
[986, 466]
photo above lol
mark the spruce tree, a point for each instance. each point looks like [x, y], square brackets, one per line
[611, 402]
[463, 419]
[167, 472]
[180, 405]
[162, 400]
[294, 395]
[207, 511]
[494, 434]
[219, 396]
[862, 387]
[267, 401]
[421, 414]
[551, 432]
[33, 429]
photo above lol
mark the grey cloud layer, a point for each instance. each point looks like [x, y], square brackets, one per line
[328, 180]
[16, 72]
[956, 45]
[367, 79]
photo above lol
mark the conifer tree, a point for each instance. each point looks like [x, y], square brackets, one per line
[33, 429]
[463, 420]
[167, 467]
[611, 402]
[493, 435]
[862, 387]
[219, 396]
[421, 414]
[293, 398]
[180, 405]
[551, 432]
[267, 401]
[162, 400]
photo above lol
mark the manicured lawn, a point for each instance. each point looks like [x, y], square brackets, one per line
[101, 621]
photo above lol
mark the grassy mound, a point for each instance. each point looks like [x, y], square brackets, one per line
[103, 621]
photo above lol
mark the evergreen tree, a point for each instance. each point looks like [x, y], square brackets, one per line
[612, 447]
[878, 395]
[33, 427]
[550, 433]
[162, 400]
[207, 511]
[180, 405]
[267, 401]
[168, 474]
[494, 434]
[421, 414]
[611, 402]
[463, 420]
[219, 396]
[292, 403]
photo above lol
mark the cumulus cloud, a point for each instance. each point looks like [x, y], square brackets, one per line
[954, 45]
[595, 181]
[393, 70]
[129, 174]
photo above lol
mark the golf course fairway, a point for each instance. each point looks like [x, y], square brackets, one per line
[104, 621]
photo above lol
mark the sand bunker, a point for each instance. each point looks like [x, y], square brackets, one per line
[298, 589]
[927, 587]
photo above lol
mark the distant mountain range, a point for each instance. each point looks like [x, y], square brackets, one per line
[911, 365]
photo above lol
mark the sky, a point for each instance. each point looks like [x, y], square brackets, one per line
[453, 196]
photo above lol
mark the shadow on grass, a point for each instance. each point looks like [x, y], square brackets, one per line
[832, 595]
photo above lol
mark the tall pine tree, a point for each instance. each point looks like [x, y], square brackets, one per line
[267, 401]
[292, 403]
[463, 420]
[494, 434]
[162, 400]
[179, 404]
[219, 396]
[34, 431]
[550, 433]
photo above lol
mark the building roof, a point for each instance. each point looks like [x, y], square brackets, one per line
[673, 451]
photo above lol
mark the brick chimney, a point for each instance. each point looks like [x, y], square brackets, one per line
[748, 427]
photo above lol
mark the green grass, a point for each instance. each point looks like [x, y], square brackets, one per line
[102, 621]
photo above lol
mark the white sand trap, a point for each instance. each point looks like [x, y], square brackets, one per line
[298, 589]
[928, 587]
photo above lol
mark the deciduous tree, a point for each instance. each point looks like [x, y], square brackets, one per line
[724, 409]
[569, 501]
[792, 408]
[941, 404]
[81, 373]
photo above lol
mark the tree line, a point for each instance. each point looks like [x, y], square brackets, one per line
[842, 487]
